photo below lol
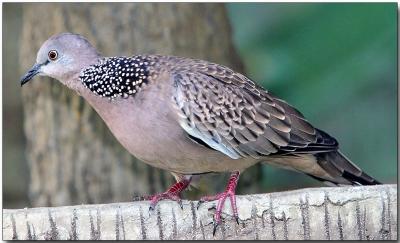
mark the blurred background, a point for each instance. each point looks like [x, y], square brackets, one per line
[337, 63]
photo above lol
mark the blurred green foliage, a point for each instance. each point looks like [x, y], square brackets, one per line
[337, 63]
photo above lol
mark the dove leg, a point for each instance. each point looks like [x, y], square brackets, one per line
[221, 197]
[173, 193]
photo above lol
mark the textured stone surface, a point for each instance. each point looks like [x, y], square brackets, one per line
[359, 213]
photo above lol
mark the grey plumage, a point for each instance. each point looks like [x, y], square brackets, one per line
[191, 116]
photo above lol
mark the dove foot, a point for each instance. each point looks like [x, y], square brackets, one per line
[221, 197]
[173, 193]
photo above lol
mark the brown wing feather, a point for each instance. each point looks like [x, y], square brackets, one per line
[233, 113]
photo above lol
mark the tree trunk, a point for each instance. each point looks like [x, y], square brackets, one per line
[345, 213]
[73, 158]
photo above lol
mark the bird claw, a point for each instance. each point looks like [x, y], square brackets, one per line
[237, 219]
[179, 201]
[151, 208]
[199, 204]
[215, 225]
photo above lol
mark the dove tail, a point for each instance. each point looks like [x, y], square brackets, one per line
[340, 167]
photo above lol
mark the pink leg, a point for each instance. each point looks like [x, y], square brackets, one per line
[173, 193]
[229, 192]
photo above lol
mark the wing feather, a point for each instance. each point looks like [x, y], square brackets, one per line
[235, 116]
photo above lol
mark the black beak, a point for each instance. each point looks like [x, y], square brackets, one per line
[30, 74]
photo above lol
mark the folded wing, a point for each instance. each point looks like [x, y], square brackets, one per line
[232, 114]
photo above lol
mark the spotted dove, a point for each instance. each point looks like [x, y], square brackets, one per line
[191, 117]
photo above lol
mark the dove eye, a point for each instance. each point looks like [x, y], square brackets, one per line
[52, 55]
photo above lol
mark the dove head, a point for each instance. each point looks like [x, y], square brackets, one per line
[62, 57]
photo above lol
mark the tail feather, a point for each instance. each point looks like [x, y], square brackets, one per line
[339, 167]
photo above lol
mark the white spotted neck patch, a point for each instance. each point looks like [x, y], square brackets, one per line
[116, 76]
